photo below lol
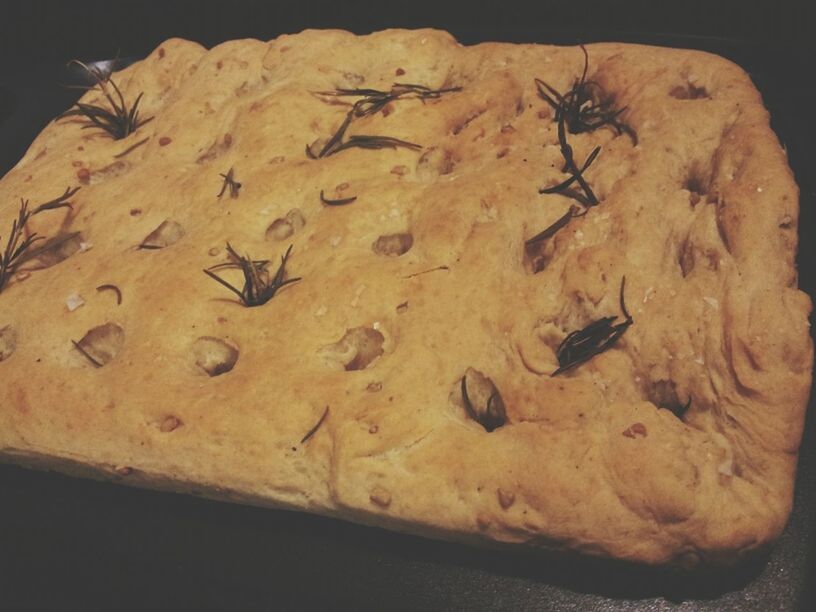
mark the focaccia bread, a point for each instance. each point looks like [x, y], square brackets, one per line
[433, 370]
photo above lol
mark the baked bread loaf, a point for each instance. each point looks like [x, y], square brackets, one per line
[544, 297]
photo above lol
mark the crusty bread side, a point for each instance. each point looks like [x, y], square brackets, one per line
[710, 284]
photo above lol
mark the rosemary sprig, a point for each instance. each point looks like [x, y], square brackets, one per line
[371, 101]
[19, 241]
[586, 107]
[229, 183]
[587, 198]
[317, 425]
[337, 202]
[258, 287]
[117, 119]
[583, 344]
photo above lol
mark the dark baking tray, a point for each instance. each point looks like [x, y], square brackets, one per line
[76, 544]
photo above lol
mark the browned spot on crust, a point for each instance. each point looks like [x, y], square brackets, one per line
[635, 430]
[170, 423]
[506, 498]
[380, 496]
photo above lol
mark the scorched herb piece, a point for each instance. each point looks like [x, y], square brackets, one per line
[375, 142]
[583, 344]
[113, 288]
[259, 287]
[19, 241]
[118, 120]
[337, 202]
[317, 425]
[229, 183]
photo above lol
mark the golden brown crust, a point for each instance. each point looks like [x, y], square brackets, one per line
[587, 460]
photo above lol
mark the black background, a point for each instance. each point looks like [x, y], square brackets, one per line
[75, 544]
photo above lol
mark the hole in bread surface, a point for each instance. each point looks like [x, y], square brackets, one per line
[55, 250]
[393, 245]
[283, 227]
[166, 234]
[697, 186]
[110, 171]
[538, 255]
[691, 255]
[435, 162]
[481, 399]
[663, 394]
[356, 350]
[102, 344]
[8, 342]
[216, 150]
[214, 356]
[461, 124]
[689, 91]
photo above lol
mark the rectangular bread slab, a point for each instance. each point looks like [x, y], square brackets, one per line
[342, 395]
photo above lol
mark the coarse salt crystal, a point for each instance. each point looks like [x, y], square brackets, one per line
[85, 246]
[321, 311]
[712, 302]
[335, 240]
[74, 301]
[357, 293]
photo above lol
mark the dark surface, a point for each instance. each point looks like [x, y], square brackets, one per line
[75, 544]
